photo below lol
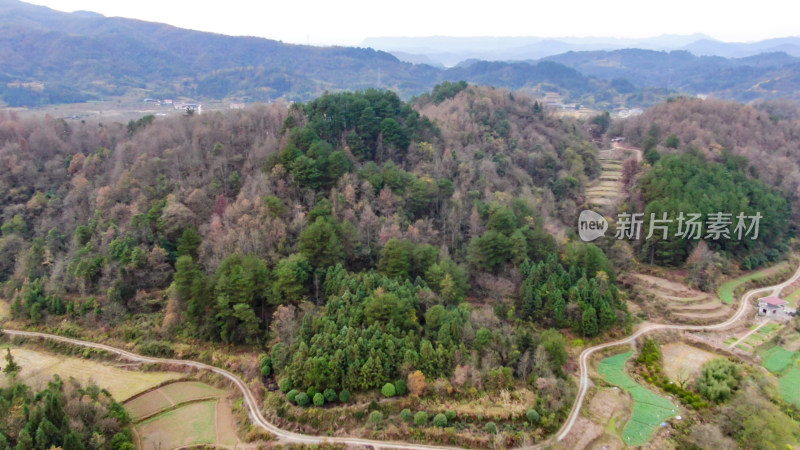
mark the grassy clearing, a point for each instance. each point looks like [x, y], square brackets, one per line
[611, 167]
[39, 367]
[649, 409]
[726, 290]
[192, 424]
[793, 297]
[4, 309]
[683, 360]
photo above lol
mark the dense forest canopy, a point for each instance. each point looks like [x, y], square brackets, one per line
[766, 134]
[63, 415]
[690, 184]
[341, 237]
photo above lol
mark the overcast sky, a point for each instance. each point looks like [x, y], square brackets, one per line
[347, 22]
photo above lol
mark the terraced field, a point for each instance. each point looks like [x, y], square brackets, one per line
[679, 302]
[608, 189]
[185, 413]
[649, 409]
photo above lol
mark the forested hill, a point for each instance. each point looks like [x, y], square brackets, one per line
[764, 134]
[357, 238]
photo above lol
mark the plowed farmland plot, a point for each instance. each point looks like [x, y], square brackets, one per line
[649, 409]
[182, 414]
[147, 404]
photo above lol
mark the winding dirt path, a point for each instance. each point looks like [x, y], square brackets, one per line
[258, 418]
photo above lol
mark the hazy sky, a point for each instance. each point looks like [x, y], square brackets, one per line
[347, 22]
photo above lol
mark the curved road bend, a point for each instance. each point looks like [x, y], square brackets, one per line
[260, 420]
[646, 328]
[249, 398]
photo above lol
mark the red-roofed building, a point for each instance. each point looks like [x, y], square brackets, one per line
[769, 306]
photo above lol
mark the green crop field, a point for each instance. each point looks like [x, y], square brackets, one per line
[769, 328]
[789, 384]
[649, 409]
[725, 291]
[777, 359]
[191, 424]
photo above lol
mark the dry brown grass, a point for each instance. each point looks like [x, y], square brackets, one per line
[501, 406]
[683, 361]
[4, 309]
[38, 368]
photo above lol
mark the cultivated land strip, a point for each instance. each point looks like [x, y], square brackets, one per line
[258, 418]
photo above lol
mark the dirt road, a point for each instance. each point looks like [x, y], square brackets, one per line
[583, 388]
[258, 418]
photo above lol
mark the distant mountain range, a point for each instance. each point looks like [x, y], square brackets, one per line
[48, 56]
[450, 51]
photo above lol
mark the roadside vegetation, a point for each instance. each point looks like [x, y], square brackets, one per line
[65, 414]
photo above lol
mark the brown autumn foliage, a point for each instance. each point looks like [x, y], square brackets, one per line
[417, 385]
[768, 135]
